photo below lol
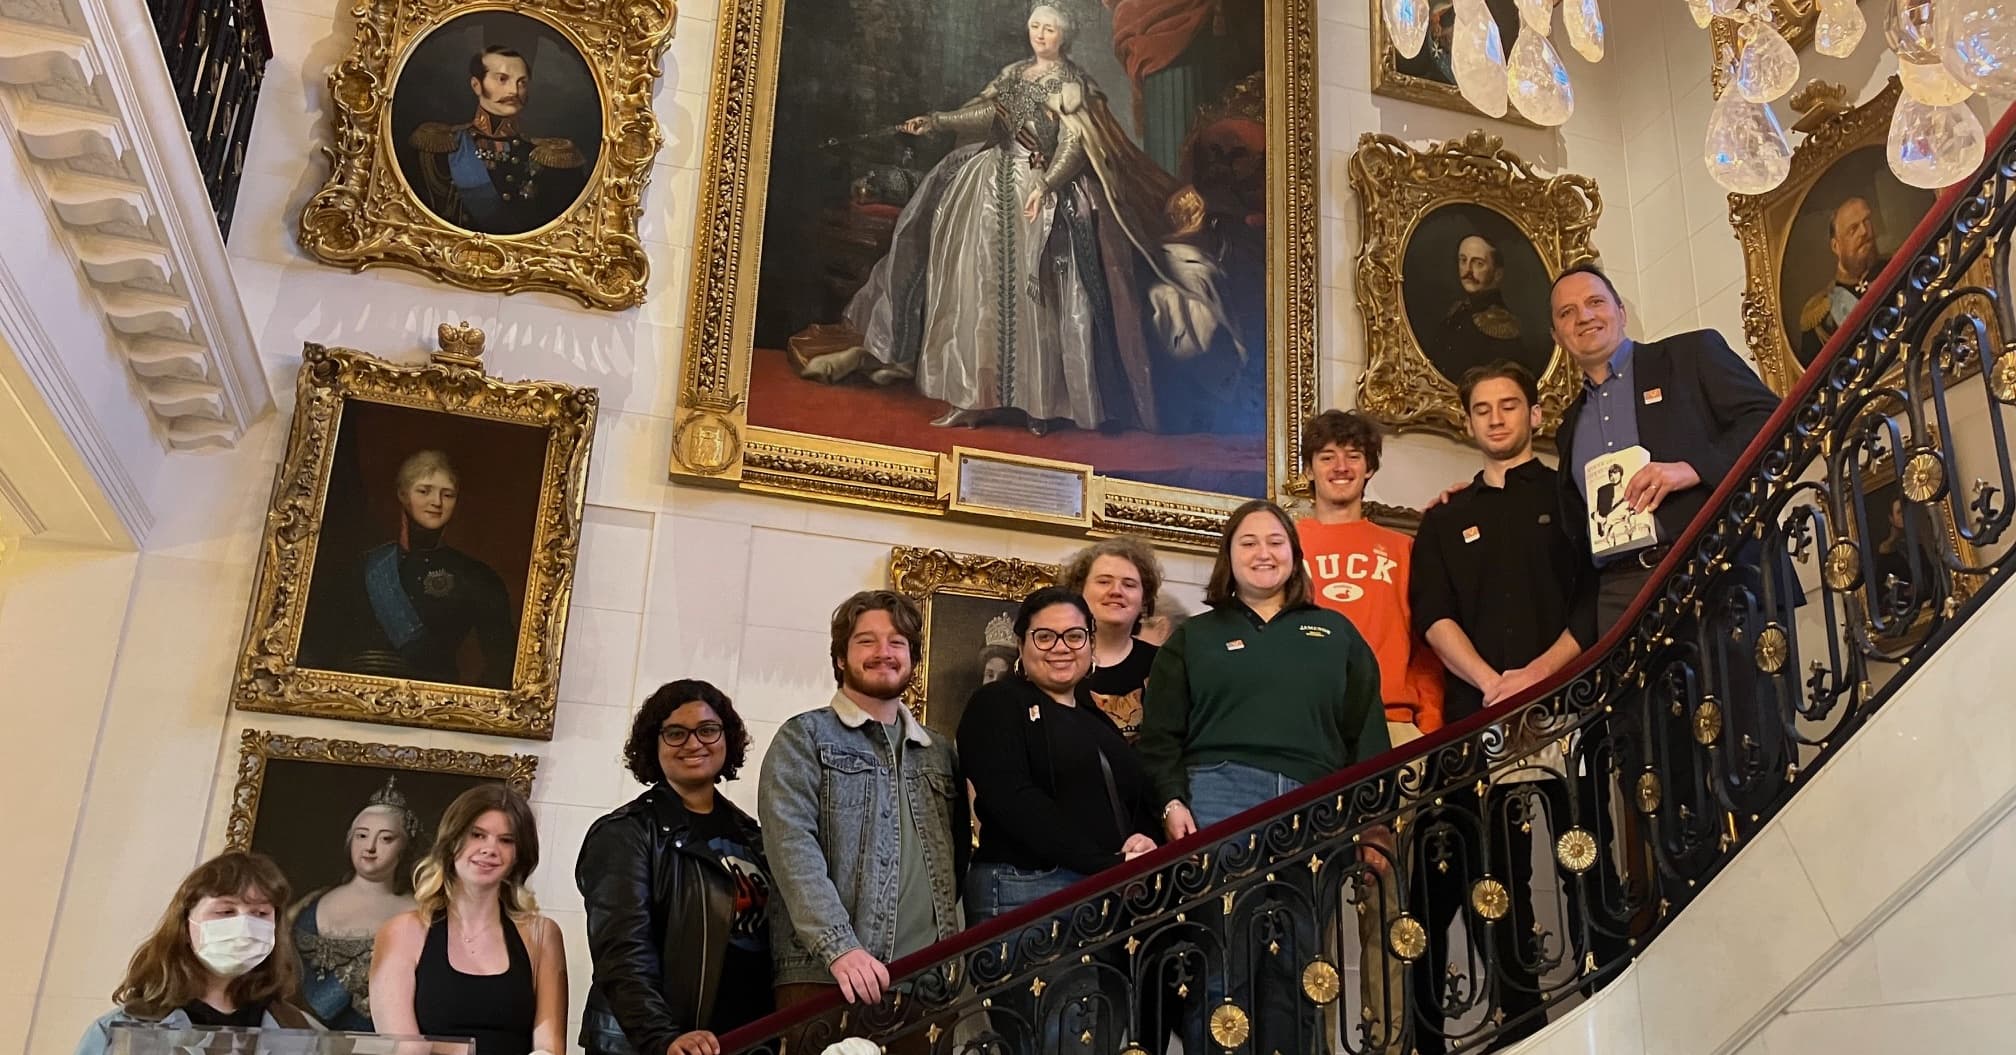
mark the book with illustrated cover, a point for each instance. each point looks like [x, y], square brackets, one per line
[1613, 527]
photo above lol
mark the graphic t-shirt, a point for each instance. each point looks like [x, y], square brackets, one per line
[743, 995]
[1118, 689]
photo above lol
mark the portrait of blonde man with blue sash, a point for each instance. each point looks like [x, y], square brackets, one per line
[411, 607]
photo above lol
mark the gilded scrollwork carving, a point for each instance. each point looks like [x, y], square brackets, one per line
[561, 421]
[256, 748]
[1397, 186]
[371, 214]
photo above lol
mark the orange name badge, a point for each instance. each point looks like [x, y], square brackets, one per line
[1471, 534]
[1234, 645]
[1653, 395]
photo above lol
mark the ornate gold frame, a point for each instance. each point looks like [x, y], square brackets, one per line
[919, 574]
[257, 747]
[1387, 79]
[1396, 186]
[452, 383]
[1795, 19]
[366, 215]
[1763, 222]
[712, 440]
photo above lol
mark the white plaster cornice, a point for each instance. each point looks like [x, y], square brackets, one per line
[85, 93]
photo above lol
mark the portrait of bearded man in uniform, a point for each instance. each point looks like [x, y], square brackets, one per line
[1851, 238]
[471, 122]
[1841, 237]
[1475, 290]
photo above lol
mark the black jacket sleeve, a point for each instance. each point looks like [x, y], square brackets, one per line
[613, 874]
[993, 741]
[1739, 403]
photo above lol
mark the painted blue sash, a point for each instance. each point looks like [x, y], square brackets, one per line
[472, 178]
[395, 611]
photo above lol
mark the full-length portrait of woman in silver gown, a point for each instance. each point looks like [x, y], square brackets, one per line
[1014, 285]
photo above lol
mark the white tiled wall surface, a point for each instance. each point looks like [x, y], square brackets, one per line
[127, 660]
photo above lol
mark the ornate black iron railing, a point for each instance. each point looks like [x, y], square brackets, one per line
[216, 52]
[1864, 522]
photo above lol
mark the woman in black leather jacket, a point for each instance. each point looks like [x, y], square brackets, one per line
[676, 888]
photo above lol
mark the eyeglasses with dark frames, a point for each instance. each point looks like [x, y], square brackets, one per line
[1046, 639]
[706, 732]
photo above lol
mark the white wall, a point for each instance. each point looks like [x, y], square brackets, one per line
[667, 574]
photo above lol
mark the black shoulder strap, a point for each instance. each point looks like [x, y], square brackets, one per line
[1120, 821]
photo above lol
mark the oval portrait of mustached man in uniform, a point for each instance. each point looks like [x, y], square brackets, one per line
[496, 121]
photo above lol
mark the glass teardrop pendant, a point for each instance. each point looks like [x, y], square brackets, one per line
[1537, 14]
[1478, 58]
[1698, 9]
[1839, 29]
[1746, 150]
[1929, 83]
[1537, 81]
[1768, 67]
[1909, 31]
[1978, 40]
[1935, 146]
[1585, 28]
[1406, 24]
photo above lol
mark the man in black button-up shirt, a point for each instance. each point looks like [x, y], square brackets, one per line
[1504, 597]
[1496, 580]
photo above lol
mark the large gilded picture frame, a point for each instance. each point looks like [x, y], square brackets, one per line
[375, 601]
[807, 192]
[526, 178]
[1459, 246]
[345, 822]
[1428, 77]
[968, 601]
[1812, 245]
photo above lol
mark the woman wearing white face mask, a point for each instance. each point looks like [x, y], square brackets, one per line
[215, 959]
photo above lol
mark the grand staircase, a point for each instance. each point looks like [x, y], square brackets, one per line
[1858, 536]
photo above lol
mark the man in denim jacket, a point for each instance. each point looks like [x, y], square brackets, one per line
[863, 815]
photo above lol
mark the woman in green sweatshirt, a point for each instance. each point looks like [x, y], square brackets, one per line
[1252, 699]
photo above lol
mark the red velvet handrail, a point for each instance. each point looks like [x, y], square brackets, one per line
[1008, 923]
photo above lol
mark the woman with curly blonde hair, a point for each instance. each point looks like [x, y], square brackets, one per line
[216, 958]
[1119, 578]
[475, 959]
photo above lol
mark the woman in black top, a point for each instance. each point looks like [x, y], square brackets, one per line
[676, 888]
[476, 959]
[1119, 578]
[1058, 792]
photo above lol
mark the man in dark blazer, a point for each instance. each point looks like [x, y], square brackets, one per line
[1687, 399]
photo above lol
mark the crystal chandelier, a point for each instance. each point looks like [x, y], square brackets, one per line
[1947, 51]
[1531, 79]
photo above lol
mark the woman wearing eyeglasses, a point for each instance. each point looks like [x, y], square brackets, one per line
[1059, 793]
[676, 888]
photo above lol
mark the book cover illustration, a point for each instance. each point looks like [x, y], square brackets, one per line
[1613, 527]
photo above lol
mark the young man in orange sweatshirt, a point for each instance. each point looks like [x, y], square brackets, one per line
[1361, 570]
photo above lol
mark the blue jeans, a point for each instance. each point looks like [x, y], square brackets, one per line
[1076, 998]
[1222, 789]
[996, 889]
[1263, 980]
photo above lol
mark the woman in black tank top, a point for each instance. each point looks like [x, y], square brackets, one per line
[475, 959]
